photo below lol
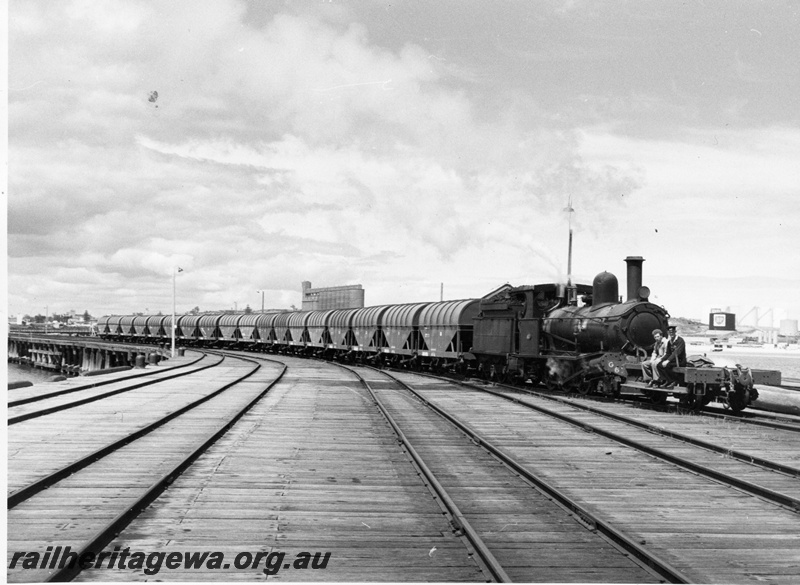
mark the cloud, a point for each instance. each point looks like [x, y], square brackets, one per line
[294, 146]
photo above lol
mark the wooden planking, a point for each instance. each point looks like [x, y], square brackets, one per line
[776, 445]
[525, 530]
[316, 468]
[313, 467]
[639, 494]
[771, 444]
[44, 388]
[111, 485]
[79, 431]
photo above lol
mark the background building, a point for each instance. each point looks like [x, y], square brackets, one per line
[332, 297]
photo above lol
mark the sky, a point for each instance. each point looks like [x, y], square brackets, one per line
[403, 146]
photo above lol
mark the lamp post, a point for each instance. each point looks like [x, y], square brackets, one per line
[172, 336]
[174, 272]
[262, 299]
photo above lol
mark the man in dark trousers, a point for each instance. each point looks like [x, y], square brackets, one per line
[676, 356]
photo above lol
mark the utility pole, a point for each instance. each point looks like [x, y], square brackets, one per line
[174, 325]
[172, 345]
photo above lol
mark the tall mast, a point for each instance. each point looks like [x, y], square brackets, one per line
[570, 211]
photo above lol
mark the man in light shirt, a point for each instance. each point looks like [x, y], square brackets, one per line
[650, 368]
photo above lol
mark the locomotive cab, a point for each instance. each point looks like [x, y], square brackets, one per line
[508, 329]
[510, 319]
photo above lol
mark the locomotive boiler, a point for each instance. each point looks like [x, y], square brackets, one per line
[574, 337]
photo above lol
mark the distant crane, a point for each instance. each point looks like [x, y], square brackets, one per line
[758, 318]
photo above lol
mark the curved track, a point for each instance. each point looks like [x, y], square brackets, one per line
[121, 477]
[530, 487]
[516, 495]
[312, 467]
[40, 404]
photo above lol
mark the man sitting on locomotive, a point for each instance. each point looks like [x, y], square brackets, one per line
[676, 357]
[650, 368]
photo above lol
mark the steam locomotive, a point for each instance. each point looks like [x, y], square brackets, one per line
[569, 337]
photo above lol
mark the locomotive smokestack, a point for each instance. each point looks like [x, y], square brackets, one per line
[634, 276]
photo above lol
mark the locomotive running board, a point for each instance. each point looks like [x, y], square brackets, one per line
[638, 389]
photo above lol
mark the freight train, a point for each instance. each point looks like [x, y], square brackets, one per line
[580, 337]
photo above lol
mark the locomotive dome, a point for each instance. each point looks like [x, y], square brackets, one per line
[605, 288]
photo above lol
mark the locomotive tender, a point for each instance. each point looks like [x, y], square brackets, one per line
[570, 337]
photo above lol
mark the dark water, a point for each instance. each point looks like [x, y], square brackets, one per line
[21, 373]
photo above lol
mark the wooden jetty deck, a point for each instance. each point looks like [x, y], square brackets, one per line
[313, 467]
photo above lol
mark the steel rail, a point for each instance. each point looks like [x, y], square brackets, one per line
[588, 518]
[50, 410]
[773, 420]
[744, 457]
[105, 535]
[492, 564]
[39, 397]
[750, 418]
[30, 490]
[789, 502]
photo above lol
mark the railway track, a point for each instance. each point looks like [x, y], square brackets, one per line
[516, 496]
[27, 394]
[729, 430]
[88, 501]
[37, 404]
[780, 489]
[774, 421]
[785, 422]
[670, 505]
[313, 465]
